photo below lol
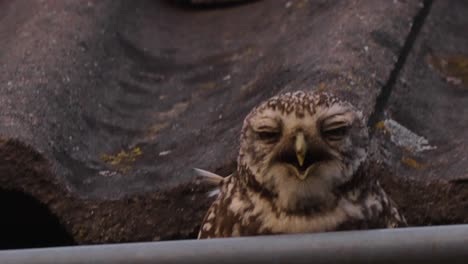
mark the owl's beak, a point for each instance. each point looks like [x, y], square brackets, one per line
[300, 147]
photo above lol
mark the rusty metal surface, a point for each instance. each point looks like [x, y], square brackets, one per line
[126, 97]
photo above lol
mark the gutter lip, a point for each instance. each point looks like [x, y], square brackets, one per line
[437, 244]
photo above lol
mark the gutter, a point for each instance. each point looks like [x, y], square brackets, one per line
[439, 244]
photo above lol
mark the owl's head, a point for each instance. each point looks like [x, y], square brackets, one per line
[301, 147]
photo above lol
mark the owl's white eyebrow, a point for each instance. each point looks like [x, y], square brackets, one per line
[265, 128]
[265, 124]
[338, 119]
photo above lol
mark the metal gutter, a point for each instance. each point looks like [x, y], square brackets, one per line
[440, 244]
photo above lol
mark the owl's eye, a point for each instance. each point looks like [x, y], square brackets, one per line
[336, 133]
[268, 135]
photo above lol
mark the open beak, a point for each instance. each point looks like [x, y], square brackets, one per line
[300, 148]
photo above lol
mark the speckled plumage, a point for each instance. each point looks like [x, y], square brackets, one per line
[302, 167]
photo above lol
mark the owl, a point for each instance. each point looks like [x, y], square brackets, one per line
[302, 167]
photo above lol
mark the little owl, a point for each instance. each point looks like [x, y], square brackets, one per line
[302, 167]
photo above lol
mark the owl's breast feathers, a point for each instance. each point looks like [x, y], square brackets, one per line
[242, 211]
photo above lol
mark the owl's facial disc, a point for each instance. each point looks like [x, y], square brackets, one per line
[301, 146]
